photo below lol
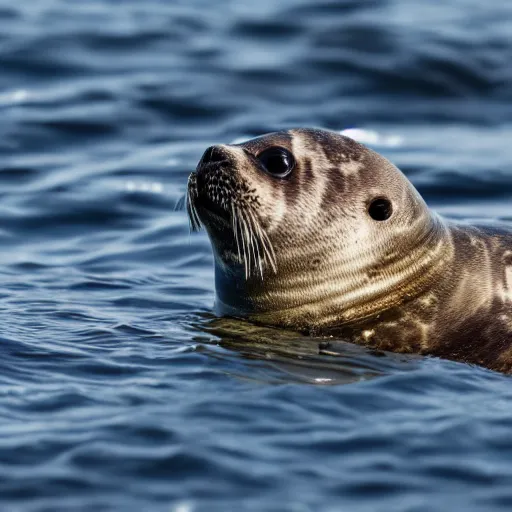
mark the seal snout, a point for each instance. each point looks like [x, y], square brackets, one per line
[214, 154]
[213, 180]
[211, 166]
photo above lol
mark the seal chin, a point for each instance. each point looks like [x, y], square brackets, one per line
[205, 209]
[209, 210]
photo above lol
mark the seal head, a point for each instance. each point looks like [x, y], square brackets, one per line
[312, 230]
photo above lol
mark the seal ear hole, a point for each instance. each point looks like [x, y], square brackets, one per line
[380, 209]
[315, 263]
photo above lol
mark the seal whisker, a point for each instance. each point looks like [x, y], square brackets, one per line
[249, 246]
[243, 232]
[252, 241]
[197, 223]
[260, 259]
[194, 222]
[263, 241]
[235, 229]
[255, 243]
[266, 245]
[193, 217]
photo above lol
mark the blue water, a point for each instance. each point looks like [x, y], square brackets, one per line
[118, 388]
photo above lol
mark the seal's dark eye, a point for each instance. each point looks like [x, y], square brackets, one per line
[380, 209]
[277, 161]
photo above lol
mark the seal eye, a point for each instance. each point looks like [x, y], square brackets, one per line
[380, 209]
[277, 161]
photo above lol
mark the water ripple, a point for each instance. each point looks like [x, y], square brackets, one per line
[119, 390]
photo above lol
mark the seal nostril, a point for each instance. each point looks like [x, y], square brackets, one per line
[214, 154]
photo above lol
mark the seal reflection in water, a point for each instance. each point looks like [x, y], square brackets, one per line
[315, 232]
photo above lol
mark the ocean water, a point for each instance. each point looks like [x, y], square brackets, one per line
[119, 390]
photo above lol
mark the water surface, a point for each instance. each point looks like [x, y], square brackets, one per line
[118, 388]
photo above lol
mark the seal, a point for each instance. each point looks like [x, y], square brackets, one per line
[314, 231]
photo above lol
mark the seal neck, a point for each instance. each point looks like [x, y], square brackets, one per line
[338, 293]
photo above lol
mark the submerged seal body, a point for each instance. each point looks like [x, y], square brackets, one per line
[313, 231]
